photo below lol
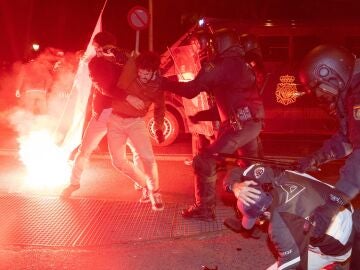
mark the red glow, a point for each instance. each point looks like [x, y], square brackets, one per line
[46, 163]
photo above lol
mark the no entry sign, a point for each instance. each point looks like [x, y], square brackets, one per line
[138, 18]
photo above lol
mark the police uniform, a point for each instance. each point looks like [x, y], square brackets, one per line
[233, 85]
[333, 74]
[349, 181]
[295, 196]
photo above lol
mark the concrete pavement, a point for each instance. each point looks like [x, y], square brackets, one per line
[104, 227]
[107, 203]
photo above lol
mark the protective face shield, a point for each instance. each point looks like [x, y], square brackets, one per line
[224, 39]
[202, 45]
[326, 72]
[250, 44]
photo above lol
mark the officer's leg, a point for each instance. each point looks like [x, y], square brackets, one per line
[253, 148]
[246, 139]
[204, 165]
[205, 176]
[227, 142]
[205, 181]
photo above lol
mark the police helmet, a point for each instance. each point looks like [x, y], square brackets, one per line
[250, 44]
[201, 40]
[327, 70]
[223, 39]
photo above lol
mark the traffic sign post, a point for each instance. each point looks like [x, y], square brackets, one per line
[138, 19]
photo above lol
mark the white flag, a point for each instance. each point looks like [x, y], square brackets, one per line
[73, 118]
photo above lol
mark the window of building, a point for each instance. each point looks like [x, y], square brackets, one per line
[275, 48]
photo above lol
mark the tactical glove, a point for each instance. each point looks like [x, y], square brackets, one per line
[307, 164]
[322, 216]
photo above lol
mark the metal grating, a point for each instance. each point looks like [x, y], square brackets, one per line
[39, 221]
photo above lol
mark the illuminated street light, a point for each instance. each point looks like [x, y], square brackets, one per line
[35, 47]
[201, 22]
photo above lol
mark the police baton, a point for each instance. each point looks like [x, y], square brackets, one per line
[234, 157]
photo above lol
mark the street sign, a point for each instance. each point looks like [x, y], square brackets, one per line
[138, 18]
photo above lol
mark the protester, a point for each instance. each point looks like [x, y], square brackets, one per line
[133, 93]
[35, 80]
[105, 47]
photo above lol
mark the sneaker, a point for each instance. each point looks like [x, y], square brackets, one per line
[156, 201]
[145, 196]
[66, 193]
[198, 212]
[137, 187]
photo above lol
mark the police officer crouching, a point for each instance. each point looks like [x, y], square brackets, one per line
[287, 198]
[332, 74]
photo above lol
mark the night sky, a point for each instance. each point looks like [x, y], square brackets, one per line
[68, 24]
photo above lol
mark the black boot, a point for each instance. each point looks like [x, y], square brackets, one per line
[199, 212]
[234, 224]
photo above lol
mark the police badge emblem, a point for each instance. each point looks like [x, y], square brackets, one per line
[356, 112]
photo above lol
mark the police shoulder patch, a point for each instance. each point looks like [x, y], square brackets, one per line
[356, 112]
[258, 172]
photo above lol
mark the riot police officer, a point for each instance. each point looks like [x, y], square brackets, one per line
[233, 84]
[333, 75]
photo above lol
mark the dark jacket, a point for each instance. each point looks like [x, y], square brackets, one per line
[232, 82]
[346, 142]
[104, 74]
[150, 93]
[100, 102]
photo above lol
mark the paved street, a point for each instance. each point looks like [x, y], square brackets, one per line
[104, 227]
[195, 244]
